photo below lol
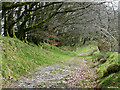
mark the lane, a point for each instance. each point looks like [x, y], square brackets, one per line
[75, 73]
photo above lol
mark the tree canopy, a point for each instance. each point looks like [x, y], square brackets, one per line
[68, 23]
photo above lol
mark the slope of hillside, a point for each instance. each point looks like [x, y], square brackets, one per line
[108, 70]
[20, 59]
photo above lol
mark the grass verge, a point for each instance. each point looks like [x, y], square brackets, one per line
[107, 75]
[20, 59]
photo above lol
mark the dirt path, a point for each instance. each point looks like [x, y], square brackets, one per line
[66, 75]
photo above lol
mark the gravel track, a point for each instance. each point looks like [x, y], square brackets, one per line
[70, 75]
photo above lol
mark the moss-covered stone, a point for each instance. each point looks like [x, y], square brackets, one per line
[111, 69]
[99, 58]
[102, 61]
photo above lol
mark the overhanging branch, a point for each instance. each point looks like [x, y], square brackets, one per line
[55, 13]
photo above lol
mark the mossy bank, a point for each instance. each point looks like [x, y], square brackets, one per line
[20, 59]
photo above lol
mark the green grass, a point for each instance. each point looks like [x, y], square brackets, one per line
[86, 48]
[113, 79]
[20, 59]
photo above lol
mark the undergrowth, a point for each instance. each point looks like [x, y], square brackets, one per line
[102, 65]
